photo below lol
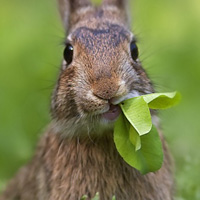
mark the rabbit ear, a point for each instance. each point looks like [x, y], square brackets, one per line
[121, 5]
[69, 8]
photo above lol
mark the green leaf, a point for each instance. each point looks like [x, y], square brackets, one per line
[149, 157]
[84, 197]
[137, 112]
[96, 196]
[162, 100]
[134, 138]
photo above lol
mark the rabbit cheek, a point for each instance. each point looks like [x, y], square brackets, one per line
[63, 101]
[64, 107]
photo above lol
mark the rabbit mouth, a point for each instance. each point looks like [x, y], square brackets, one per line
[113, 113]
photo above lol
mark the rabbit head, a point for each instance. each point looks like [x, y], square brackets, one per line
[100, 68]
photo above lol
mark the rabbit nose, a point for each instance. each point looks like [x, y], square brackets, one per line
[105, 88]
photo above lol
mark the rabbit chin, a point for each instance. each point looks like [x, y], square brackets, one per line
[92, 126]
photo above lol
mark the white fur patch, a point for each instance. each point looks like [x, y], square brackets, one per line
[155, 120]
[64, 64]
[130, 95]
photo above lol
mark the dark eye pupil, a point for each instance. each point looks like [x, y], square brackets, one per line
[134, 51]
[68, 53]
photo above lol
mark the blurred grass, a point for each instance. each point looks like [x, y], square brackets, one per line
[30, 53]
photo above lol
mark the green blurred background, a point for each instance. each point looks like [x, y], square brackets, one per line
[31, 39]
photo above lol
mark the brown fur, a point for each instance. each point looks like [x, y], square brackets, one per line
[77, 155]
[67, 169]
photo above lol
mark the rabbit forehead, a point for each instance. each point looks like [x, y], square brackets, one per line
[100, 35]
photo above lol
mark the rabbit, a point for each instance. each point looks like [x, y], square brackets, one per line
[76, 155]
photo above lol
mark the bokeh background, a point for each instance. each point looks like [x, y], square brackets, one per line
[31, 38]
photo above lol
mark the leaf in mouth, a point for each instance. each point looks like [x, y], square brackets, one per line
[136, 138]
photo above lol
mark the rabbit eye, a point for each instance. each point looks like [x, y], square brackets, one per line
[68, 53]
[134, 51]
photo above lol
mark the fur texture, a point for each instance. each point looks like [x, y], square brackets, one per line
[77, 155]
